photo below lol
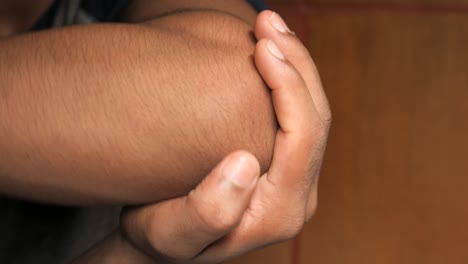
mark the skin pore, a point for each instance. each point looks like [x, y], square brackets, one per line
[148, 131]
[282, 201]
[87, 127]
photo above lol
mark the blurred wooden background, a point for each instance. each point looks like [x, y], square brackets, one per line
[394, 187]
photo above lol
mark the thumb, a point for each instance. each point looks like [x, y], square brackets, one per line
[181, 228]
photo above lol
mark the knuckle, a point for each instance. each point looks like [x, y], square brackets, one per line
[290, 229]
[213, 218]
[322, 135]
[327, 117]
[319, 132]
[311, 210]
[315, 135]
[316, 129]
[290, 225]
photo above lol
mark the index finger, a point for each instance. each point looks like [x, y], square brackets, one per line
[267, 26]
[301, 128]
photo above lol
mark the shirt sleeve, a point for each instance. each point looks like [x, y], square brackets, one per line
[259, 5]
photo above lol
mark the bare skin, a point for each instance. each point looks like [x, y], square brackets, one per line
[104, 136]
[80, 125]
[250, 211]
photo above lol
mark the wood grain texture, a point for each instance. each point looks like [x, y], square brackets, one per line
[394, 187]
[389, 2]
[276, 3]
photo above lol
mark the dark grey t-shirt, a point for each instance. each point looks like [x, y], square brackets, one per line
[34, 233]
[39, 233]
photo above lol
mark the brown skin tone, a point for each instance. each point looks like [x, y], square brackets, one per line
[253, 212]
[83, 126]
[105, 135]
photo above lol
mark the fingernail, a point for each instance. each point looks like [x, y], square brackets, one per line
[240, 172]
[275, 51]
[278, 23]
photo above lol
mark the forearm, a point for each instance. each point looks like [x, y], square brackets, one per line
[125, 113]
[115, 249]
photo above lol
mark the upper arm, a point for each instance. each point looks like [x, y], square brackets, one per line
[159, 103]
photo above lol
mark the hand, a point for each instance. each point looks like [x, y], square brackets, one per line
[233, 211]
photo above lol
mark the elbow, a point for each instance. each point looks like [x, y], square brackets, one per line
[252, 123]
[245, 119]
[221, 102]
[242, 111]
